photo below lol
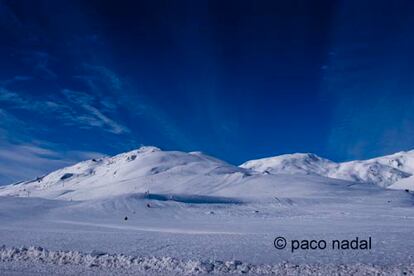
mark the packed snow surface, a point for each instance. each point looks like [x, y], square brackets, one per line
[156, 212]
[113, 264]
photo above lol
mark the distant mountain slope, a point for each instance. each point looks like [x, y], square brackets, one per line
[297, 163]
[167, 173]
[137, 171]
[382, 171]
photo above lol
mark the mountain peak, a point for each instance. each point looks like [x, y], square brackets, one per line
[296, 163]
[136, 171]
[382, 171]
[150, 168]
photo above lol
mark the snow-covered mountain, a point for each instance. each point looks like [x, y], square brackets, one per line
[297, 163]
[180, 205]
[382, 171]
[137, 171]
[150, 169]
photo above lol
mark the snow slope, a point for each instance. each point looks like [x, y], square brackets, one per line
[167, 173]
[297, 163]
[150, 169]
[187, 230]
[138, 171]
[168, 212]
[382, 171]
[404, 184]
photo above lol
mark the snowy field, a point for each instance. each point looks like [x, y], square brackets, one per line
[150, 212]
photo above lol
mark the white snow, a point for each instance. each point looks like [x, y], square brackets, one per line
[149, 169]
[404, 184]
[118, 264]
[145, 169]
[382, 171]
[168, 212]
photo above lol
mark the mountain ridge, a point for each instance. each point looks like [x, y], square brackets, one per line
[383, 171]
[173, 172]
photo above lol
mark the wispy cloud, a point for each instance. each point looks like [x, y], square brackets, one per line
[16, 79]
[111, 78]
[42, 65]
[91, 116]
[96, 106]
[119, 92]
[20, 101]
[9, 122]
[22, 157]
[26, 161]
[74, 108]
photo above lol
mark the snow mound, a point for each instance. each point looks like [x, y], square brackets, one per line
[172, 175]
[382, 171]
[173, 266]
[137, 171]
[151, 170]
[297, 163]
[370, 171]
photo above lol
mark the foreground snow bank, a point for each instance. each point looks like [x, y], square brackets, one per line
[167, 265]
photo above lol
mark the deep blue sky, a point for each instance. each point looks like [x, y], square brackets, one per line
[236, 79]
